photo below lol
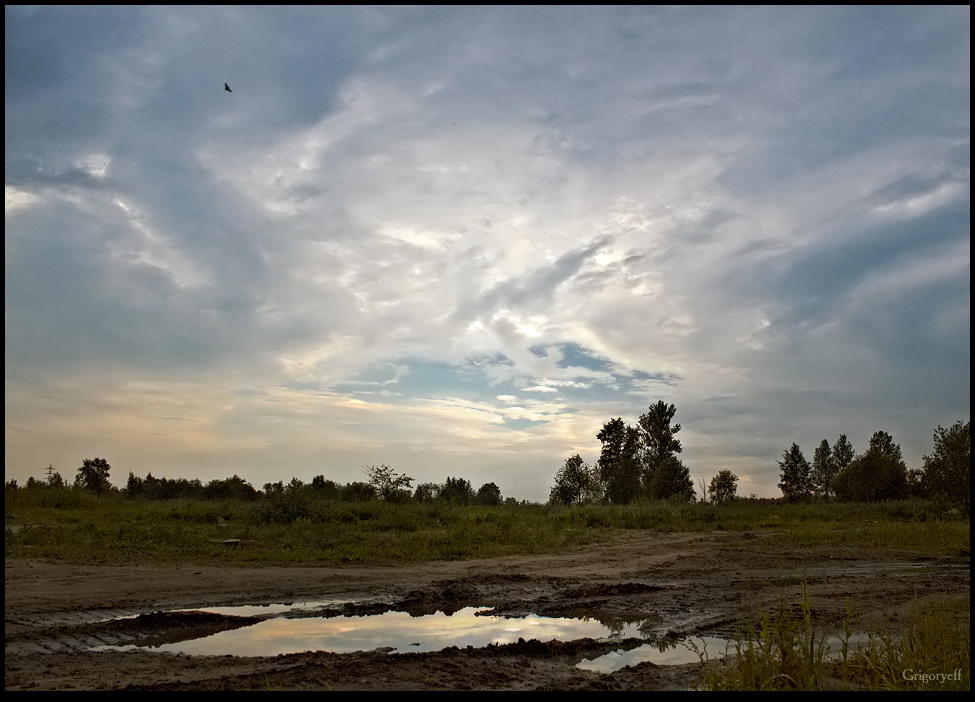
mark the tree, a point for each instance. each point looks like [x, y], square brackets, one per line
[703, 484]
[235, 488]
[879, 474]
[883, 443]
[658, 439]
[843, 453]
[823, 471]
[489, 495]
[93, 475]
[457, 491]
[948, 470]
[795, 475]
[387, 483]
[324, 488]
[672, 480]
[917, 484]
[872, 477]
[54, 479]
[426, 493]
[134, 486]
[358, 491]
[724, 487]
[618, 467]
[575, 483]
[274, 488]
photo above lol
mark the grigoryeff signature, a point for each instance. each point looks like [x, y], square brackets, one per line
[909, 674]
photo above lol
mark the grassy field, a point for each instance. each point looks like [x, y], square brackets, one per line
[80, 527]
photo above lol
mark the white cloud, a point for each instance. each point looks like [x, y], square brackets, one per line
[530, 220]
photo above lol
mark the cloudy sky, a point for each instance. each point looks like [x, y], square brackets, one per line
[458, 240]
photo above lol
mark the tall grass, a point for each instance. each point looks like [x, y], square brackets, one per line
[786, 652]
[933, 654]
[782, 653]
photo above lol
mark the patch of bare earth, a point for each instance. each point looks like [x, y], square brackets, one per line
[673, 585]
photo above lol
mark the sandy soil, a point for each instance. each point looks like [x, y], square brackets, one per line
[677, 584]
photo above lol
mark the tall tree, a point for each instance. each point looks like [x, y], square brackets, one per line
[93, 475]
[658, 438]
[843, 453]
[879, 474]
[823, 471]
[724, 487]
[575, 483]
[795, 475]
[456, 491]
[872, 477]
[883, 443]
[618, 468]
[948, 470]
[489, 495]
[672, 480]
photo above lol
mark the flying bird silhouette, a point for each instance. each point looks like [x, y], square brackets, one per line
[227, 88]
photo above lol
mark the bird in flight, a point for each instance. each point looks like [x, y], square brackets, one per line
[227, 88]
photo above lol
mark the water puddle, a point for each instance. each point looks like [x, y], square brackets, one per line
[689, 650]
[695, 649]
[272, 630]
[285, 629]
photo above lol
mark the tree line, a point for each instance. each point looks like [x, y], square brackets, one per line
[880, 473]
[641, 462]
[382, 483]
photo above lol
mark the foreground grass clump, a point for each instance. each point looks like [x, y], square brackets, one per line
[786, 652]
[782, 653]
[933, 654]
[285, 528]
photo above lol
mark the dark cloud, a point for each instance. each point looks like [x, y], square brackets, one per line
[402, 214]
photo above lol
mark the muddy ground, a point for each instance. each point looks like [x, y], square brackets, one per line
[675, 584]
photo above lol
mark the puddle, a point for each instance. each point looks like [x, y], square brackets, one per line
[693, 649]
[296, 629]
[689, 650]
[280, 629]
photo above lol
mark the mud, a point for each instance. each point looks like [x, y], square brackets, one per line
[676, 585]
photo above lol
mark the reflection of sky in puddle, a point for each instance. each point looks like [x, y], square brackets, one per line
[394, 630]
[696, 648]
[678, 653]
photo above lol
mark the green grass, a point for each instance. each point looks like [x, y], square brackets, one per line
[77, 526]
[116, 530]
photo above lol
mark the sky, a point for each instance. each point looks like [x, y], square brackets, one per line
[459, 240]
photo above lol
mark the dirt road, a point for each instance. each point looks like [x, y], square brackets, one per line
[669, 586]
